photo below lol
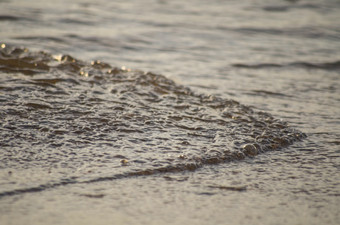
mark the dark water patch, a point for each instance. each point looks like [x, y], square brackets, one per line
[276, 8]
[305, 65]
[153, 124]
[9, 18]
[292, 1]
[285, 8]
[16, 18]
[264, 92]
[34, 105]
[330, 33]
[93, 195]
[325, 66]
[229, 188]
[77, 21]
[257, 66]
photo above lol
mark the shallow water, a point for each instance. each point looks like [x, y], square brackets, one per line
[242, 127]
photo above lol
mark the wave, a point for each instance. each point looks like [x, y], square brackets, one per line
[305, 65]
[289, 7]
[91, 122]
[312, 32]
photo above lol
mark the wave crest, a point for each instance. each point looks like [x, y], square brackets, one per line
[64, 114]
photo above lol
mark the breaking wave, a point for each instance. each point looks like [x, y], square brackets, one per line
[89, 122]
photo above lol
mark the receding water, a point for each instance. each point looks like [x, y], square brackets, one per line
[169, 112]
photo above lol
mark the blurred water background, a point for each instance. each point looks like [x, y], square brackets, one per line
[279, 57]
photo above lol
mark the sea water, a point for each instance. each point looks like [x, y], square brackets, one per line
[169, 112]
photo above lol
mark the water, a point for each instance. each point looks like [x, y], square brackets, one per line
[241, 128]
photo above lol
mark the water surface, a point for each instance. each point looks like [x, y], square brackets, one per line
[169, 112]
